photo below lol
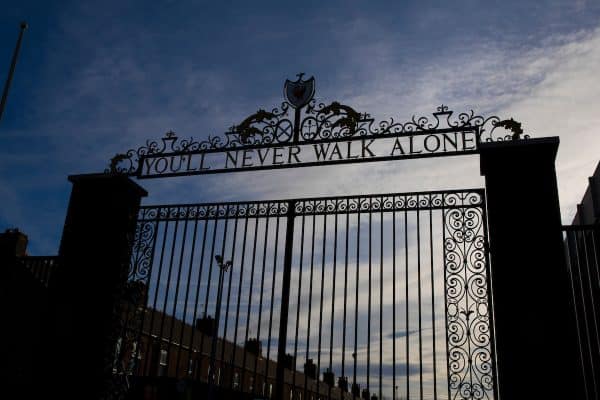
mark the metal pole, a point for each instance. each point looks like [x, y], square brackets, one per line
[285, 299]
[12, 69]
[211, 376]
[296, 137]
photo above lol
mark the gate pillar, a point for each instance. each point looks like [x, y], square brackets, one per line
[94, 259]
[536, 342]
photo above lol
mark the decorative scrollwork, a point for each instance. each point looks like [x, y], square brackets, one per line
[263, 127]
[316, 122]
[142, 246]
[153, 214]
[470, 372]
[132, 297]
[389, 202]
[333, 121]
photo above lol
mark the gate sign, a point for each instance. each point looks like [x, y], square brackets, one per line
[302, 132]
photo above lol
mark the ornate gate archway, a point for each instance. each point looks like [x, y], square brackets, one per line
[338, 297]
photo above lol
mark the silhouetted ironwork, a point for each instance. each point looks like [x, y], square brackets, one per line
[41, 267]
[513, 126]
[309, 287]
[582, 245]
[283, 138]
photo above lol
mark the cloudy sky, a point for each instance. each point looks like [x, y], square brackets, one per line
[97, 78]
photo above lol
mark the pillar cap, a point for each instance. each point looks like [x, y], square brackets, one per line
[79, 178]
[536, 150]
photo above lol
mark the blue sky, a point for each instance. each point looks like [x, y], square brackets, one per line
[98, 78]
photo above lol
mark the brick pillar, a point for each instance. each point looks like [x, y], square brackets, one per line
[23, 301]
[94, 259]
[537, 352]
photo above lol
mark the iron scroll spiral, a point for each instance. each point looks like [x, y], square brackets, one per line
[470, 372]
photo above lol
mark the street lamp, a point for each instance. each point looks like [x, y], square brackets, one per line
[223, 267]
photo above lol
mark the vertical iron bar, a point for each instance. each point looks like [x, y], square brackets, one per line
[233, 247]
[208, 281]
[160, 265]
[321, 303]
[272, 294]
[345, 289]
[167, 290]
[173, 316]
[285, 300]
[215, 332]
[260, 302]
[444, 222]
[381, 302]
[595, 245]
[419, 299]
[592, 281]
[196, 297]
[187, 292]
[369, 298]
[570, 258]
[432, 295]
[394, 301]
[250, 304]
[333, 300]
[490, 296]
[312, 263]
[585, 317]
[590, 288]
[296, 138]
[239, 298]
[298, 303]
[406, 297]
[355, 354]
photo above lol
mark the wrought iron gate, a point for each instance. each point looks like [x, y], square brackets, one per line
[337, 297]
[582, 247]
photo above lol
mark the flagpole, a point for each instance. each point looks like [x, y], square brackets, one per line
[12, 69]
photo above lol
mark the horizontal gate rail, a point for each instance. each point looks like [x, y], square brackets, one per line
[411, 201]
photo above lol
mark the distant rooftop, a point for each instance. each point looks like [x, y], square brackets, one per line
[588, 211]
